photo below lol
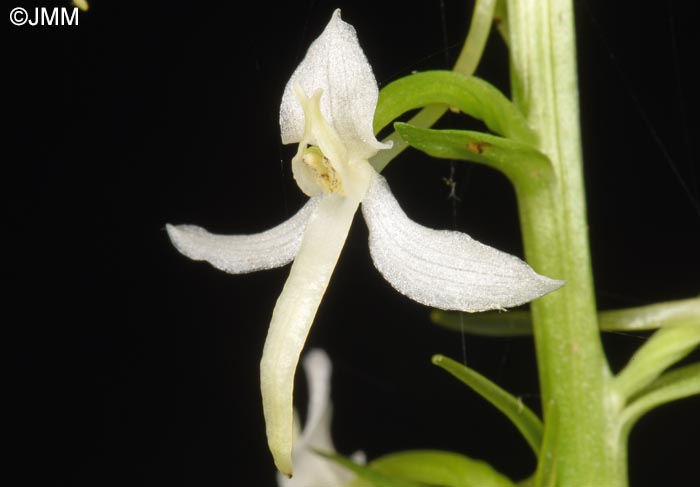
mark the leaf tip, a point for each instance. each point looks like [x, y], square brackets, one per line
[437, 359]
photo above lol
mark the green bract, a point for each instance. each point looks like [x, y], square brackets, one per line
[470, 95]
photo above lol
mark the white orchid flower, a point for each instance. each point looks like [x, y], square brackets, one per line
[327, 108]
[311, 469]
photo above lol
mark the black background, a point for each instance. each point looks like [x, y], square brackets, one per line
[132, 365]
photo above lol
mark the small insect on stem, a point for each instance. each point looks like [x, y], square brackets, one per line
[452, 184]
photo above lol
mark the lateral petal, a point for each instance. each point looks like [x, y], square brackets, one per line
[240, 254]
[441, 268]
[336, 65]
[293, 315]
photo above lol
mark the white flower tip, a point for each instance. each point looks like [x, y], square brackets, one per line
[283, 461]
[548, 285]
[176, 233]
[278, 411]
[533, 287]
[335, 17]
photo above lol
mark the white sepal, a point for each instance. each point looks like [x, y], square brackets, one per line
[293, 315]
[239, 254]
[445, 269]
[336, 65]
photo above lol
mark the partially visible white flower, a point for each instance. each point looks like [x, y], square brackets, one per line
[328, 107]
[81, 4]
[311, 469]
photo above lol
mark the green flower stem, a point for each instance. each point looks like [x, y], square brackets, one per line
[479, 30]
[574, 375]
[468, 60]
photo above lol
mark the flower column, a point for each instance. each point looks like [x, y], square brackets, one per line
[579, 407]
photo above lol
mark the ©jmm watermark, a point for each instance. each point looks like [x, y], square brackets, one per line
[44, 16]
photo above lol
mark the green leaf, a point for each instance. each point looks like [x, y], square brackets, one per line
[520, 415]
[665, 347]
[436, 469]
[368, 476]
[469, 94]
[519, 323]
[657, 315]
[677, 384]
[496, 324]
[524, 165]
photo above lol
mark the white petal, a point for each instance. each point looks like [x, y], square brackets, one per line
[336, 65]
[294, 312]
[444, 269]
[238, 254]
